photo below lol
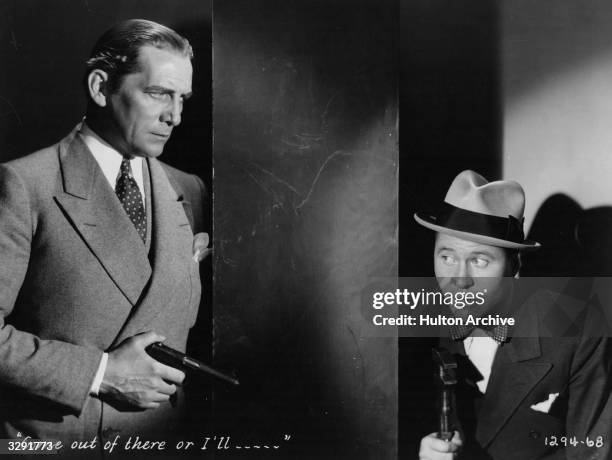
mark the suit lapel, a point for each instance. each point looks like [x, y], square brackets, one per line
[171, 248]
[90, 203]
[513, 376]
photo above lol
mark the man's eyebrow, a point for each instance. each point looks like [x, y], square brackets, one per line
[163, 89]
[484, 252]
[476, 252]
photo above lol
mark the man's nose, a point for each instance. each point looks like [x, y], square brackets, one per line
[463, 277]
[172, 113]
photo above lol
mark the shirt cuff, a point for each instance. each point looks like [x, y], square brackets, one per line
[97, 381]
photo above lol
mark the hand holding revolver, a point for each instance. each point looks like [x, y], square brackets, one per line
[134, 379]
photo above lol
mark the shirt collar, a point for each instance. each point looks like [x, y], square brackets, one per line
[500, 333]
[108, 158]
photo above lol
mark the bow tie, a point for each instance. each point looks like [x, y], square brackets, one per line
[497, 333]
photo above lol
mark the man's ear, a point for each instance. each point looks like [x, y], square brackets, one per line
[97, 85]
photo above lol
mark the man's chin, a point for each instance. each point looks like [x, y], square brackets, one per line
[150, 152]
[465, 312]
[475, 311]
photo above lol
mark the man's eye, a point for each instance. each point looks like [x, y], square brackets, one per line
[160, 96]
[480, 263]
[448, 260]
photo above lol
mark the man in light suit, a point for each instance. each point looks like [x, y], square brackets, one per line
[527, 392]
[97, 254]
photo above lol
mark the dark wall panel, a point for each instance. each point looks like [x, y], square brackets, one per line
[450, 112]
[305, 208]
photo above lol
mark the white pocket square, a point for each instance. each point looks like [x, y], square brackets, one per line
[544, 406]
[200, 243]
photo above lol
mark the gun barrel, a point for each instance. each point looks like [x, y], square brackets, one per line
[177, 359]
[200, 366]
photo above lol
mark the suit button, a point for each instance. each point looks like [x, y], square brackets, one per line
[534, 434]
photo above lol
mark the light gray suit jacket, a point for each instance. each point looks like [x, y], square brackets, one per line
[75, 280]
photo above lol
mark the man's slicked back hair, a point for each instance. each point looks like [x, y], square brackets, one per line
[116, 51]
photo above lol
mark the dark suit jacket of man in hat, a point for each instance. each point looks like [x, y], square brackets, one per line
[548, 392]
[541, 389]
[77, 279]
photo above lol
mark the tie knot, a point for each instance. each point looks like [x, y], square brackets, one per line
[129, 194]
[126, 168]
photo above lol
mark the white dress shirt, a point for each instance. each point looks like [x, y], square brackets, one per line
[109, 161]
[481, 349]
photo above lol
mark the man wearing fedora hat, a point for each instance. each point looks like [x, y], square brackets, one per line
[520, 395]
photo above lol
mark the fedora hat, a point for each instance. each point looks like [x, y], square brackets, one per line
[485, 212]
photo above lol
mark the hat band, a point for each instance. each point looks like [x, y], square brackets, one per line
[503, 228]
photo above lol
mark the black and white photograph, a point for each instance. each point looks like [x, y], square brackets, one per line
[306, 229]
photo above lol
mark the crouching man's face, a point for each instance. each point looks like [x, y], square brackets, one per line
[462, 265]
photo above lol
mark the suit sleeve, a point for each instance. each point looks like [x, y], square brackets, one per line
[51, 369]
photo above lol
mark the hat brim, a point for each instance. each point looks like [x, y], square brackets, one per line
[430, 223]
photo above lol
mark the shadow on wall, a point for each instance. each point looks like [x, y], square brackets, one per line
[575, 241]
[305, 212]
[544, 40]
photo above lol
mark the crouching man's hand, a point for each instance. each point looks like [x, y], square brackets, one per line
[434, 448]
[134, 379]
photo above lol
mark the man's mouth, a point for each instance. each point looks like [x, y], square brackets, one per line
[161, 135]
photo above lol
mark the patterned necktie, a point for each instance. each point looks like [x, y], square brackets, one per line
[131, 199]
